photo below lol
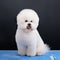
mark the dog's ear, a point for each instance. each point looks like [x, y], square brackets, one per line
[18, 18]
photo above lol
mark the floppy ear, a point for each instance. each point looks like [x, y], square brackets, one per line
[18, 17]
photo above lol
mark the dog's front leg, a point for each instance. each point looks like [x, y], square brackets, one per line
[21, 50]
[31, 50]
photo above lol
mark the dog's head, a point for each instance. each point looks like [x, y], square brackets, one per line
[27, 20]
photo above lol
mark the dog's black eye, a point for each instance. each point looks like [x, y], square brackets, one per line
[26, 20]
[31, 21]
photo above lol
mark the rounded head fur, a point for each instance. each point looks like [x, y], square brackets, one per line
[27, 20]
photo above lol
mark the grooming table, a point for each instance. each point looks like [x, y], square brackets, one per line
[13, 55]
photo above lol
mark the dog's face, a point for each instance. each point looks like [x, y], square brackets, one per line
[27, 20]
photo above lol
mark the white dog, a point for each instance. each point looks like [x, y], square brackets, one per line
[28, 39]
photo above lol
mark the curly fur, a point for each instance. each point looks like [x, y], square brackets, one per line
[29, 41]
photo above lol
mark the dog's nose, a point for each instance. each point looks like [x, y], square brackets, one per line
[29, 24]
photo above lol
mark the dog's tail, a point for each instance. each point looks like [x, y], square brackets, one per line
[43, 49]
[46, 48]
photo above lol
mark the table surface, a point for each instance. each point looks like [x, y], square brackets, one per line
[13, 55]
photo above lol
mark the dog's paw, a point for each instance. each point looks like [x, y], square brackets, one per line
[31, 54]
[21, 53]
[38, 53]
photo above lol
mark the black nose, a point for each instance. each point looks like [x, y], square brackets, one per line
[29, 24]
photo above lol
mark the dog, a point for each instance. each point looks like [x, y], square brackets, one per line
[28, 40]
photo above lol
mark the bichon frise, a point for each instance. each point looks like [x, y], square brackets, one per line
[28, 39]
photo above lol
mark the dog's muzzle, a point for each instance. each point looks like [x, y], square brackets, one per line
[29, 26]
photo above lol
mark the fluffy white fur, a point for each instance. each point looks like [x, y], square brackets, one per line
[28, 39]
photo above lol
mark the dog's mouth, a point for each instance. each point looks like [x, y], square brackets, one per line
[29, 27]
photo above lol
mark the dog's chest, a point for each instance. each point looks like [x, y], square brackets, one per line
[26, 38]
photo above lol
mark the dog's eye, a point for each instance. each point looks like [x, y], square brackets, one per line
[31, 21]
[26, 20]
